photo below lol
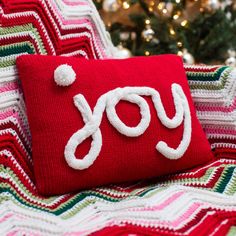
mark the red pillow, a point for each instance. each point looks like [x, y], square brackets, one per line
[95, 122]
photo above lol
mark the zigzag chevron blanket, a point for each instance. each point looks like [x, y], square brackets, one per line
[198, 202]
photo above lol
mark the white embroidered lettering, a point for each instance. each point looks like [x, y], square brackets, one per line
[108, 101]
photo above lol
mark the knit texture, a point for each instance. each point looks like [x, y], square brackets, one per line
[213, 90]
[197, 202]
[52, 113]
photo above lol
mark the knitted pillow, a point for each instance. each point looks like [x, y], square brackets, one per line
[95, 122]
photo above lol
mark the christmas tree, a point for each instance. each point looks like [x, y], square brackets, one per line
[202, 31]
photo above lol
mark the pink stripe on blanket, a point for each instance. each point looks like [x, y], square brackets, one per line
[187, 215]
[21, 232]
[6, 217]
[161, 206]
[201, 68]
[76, 21]
[8, 87]
[12, 113]
[230, 108]
[73, 3]
[220, 131]
[167, 202]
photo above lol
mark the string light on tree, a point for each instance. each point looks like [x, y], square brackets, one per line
[211, 5]
[165, 9]
[180, 44]
[148, 33]
[179, 24]
[151, 3]
[184, 23]
[161, 6]
[147, 22]
[172, 31]
[110, 5]
[177, 15]
[126, 5]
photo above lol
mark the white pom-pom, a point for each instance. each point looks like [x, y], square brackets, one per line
[64, 75]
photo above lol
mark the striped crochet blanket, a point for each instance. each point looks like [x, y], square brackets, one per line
[201, 201]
